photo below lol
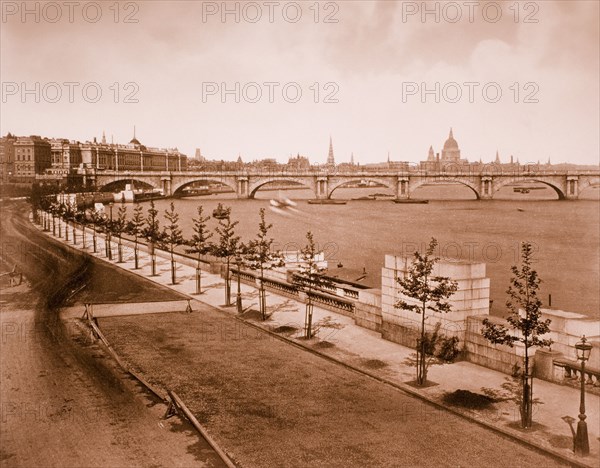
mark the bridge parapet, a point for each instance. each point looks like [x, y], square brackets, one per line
[567, 184]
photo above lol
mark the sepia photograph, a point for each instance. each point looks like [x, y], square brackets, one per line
[310, 233]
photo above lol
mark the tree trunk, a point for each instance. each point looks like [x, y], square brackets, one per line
[421, 373]
[227, 285]
[135, 254]
[173, 272]
[120, 250]
[152, 258]
[527, 398]
[308, 317]
[109, 245]
[198, 277]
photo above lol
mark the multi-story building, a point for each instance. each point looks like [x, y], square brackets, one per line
[131, 157]
[66, 157]
[7, 157]
[33, 155]
[299, 163]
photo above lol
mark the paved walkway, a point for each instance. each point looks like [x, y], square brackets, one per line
[365, 349]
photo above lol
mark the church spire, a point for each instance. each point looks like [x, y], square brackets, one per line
[330, 158]
[431, 155]
[103, 137]
[497, 157]
[451, 135]
[352, 159]
[134, 140]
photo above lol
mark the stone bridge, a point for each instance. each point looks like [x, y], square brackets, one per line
[323, 182]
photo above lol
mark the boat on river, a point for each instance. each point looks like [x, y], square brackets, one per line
[327, 201]
[410, 200]
[220, 212]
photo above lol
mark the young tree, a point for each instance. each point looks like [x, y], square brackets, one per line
[70, 213]
[60, 212]
[65, 215]
[108, 229]
[53, 211]
[428, 292]
[135, 228]
[35, 199]
[227, 247]
[200, 244]
[45, 207]
[309, 278]
[525, 320]
[81, 218]
[171, 237]
[97, 220]
[259, 257]
[152, 233]
[118, 227]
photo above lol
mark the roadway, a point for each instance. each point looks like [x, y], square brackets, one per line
[63, 403]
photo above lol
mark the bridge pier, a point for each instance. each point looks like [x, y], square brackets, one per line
[322, 188]
[402, 188]
[242, 187]
[166, 185]
[487, 189]
[572, 192]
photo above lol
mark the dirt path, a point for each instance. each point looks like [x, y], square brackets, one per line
[62, 402]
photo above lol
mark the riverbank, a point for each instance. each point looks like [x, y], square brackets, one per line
[214, 362]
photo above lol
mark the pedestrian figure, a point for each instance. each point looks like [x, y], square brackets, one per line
[188, 309]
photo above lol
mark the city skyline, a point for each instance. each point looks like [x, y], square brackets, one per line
[369, 61]
[433, 152]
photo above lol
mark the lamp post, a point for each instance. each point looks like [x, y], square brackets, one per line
[53, 211]
[66, 216]
[108, 231]
[238, 298]
[59, 216]
[582, 445]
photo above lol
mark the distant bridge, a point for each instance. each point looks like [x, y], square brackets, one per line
[323, 182]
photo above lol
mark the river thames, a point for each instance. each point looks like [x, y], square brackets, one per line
[358, 235]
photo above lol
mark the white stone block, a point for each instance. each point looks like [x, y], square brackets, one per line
[589, 328]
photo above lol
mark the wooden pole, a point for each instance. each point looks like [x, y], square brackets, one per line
[201, 429]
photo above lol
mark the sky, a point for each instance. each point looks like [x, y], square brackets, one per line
[378, 77]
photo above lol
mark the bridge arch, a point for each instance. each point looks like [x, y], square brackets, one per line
[118, 184]
[333, 186]
[181, 185]
[256, 185]
[519, 180]
[593, 182]
[444, 181]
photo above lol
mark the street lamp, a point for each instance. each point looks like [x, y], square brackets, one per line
[582, 445]
[238, 299]
[109, 230]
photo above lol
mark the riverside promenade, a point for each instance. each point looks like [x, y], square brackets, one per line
[339, 339]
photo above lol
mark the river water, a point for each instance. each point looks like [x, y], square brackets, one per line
[355, 237]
